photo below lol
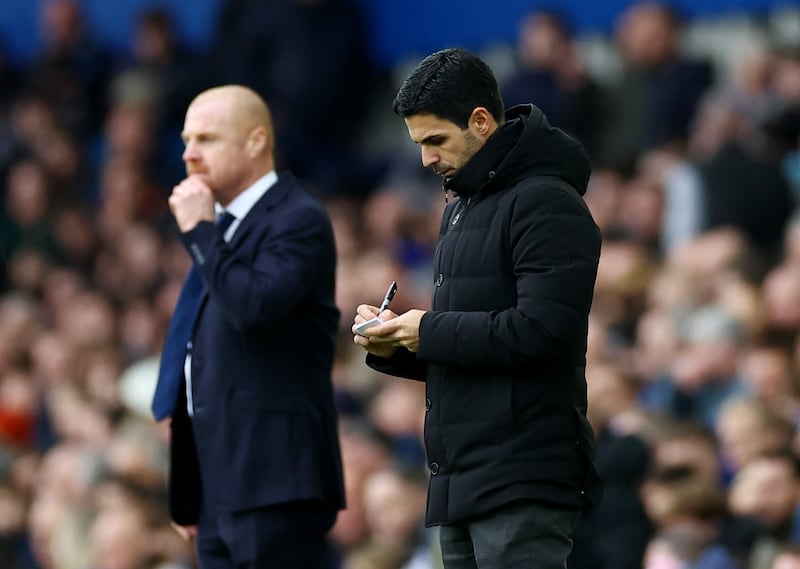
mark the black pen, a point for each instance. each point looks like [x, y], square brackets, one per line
[389, 296]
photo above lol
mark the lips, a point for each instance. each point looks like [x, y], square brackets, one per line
[201, 172]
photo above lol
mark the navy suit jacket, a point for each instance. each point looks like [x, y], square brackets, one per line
[264, 429]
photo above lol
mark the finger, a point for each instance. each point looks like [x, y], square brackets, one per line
[367, 311]
[198, 184]
[183, 186]
[379, 338]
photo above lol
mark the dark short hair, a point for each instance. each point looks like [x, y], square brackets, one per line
[450, 84]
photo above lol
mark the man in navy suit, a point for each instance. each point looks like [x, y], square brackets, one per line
[256, 474]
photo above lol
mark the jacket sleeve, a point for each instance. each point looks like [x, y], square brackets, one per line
[288, 261]
[555, 249]
[402, 364]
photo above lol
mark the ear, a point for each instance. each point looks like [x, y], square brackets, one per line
[482, 123]
[256, 142]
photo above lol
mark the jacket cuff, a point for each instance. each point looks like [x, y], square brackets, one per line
[199, 241]
[402, 364]
[427, 340]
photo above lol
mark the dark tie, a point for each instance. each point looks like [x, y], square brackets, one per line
[170, 371]
[224, 220]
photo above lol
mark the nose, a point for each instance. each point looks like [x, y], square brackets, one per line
[429, 157]
[189, 152]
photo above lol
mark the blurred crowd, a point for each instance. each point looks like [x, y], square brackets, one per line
[694, 353]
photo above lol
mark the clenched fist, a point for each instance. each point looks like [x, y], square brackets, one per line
[191, 202]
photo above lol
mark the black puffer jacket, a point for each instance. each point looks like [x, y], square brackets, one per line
[503, 350]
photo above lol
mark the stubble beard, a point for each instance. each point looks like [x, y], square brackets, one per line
[471, 145]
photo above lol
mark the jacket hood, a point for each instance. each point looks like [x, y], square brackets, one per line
[525, 145]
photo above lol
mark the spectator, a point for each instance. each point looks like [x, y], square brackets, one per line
[742, 186]
[316, 87]
[616, 532]
[27, 205]
[703, 375]
[365, 451]
[158, 55]
[768, 489]
[766, 368]
[394, 507]
[786, 558]
[747, 429]
[781, 293]
[689, 514]
[550, 72]
[73, 70]
[655, 99]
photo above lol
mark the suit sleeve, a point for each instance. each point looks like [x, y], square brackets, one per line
[290, 258]
[555, 248]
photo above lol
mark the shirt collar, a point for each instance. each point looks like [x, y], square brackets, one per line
[244, 202]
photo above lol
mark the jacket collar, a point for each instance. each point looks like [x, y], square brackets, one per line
[525, 145]
[480, 170]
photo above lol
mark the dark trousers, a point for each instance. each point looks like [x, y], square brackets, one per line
[522, 535]
[281, 536]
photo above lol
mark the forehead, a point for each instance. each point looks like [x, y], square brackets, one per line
[423, 127]
[207, 114]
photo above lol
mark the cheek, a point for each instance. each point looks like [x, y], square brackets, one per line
[462, 157]
[219, 163]
[226, 168]
[450, 156]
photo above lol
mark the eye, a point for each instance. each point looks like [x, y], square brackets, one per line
[434, 141]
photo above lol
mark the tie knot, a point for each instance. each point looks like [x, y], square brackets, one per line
[224, 220]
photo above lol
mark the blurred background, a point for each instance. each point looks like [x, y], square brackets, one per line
[691, 114]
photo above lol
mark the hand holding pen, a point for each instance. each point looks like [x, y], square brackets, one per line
[361, 328]
[399, 331]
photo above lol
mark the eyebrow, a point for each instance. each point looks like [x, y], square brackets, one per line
[201, 135]
[433, 138]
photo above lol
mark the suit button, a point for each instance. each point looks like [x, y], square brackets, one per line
[439, 279]
[434, 468]
[427, 404]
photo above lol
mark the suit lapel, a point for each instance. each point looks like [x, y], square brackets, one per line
[259, 214]
[276, 195]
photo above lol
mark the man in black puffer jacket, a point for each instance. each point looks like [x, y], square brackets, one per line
[503, 349]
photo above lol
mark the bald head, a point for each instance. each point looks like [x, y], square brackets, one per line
[229, 139]
[247, 109]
